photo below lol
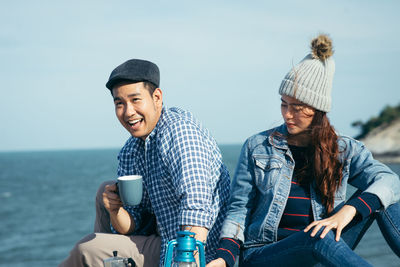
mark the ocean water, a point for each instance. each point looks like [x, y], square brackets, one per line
[47, 204]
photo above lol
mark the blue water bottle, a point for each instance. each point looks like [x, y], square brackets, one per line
[185, 245]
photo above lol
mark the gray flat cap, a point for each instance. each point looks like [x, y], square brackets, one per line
[135, 70]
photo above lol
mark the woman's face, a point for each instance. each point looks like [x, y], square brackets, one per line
[297, 115]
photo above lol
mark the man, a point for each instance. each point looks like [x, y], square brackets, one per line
[185, 183]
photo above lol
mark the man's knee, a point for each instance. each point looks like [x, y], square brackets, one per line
[80, 253]
[84, 245]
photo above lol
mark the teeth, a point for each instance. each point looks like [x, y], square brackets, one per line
[134, 121]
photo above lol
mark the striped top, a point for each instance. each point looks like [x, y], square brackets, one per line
[298, 213]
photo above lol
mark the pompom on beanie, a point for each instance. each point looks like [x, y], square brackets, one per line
[310, 81]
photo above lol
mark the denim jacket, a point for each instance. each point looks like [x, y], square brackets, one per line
[262, 181]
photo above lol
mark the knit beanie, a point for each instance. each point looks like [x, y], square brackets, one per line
[310, 81]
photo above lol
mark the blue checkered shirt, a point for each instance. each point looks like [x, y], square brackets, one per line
[184, 179]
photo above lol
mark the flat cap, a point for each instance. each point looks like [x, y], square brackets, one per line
[135, 70]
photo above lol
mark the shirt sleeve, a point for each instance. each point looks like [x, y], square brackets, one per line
[228, 250]
[189, 157]
[365, 204]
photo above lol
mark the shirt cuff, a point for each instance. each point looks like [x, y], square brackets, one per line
[228, 250]
[365, 204]
[197, 218]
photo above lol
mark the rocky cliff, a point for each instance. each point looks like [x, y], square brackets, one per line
[384, 142]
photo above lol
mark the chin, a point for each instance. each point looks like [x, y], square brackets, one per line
[293, 131]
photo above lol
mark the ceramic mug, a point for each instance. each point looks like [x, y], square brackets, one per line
[130, 189]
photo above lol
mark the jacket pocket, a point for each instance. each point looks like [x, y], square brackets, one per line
[267, 170]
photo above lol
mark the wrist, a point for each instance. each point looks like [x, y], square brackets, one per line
[116, 212]
[350, 210]
[222, 262]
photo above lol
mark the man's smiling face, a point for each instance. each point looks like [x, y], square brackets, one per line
[136, 108]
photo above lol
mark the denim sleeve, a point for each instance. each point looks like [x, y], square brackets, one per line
[372, 176]
[192, 163]
[242, 197]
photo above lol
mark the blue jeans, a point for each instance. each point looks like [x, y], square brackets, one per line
[300, 249]
[389, 224]
[388, 221]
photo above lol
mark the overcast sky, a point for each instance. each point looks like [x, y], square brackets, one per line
[222, 60]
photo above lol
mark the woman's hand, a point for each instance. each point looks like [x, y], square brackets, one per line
[217, 263]
[337, 221]
[111, 199]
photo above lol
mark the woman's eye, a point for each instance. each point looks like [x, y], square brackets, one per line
[298, 107]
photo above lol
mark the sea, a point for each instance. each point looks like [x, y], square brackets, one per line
[47, 204]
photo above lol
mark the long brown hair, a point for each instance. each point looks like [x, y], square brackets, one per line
[322, 162]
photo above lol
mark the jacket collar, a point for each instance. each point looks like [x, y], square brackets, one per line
[278, 139]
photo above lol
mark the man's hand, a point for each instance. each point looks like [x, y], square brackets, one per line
[111, 199]
[120, 219]
[217, 263]
[337, 221]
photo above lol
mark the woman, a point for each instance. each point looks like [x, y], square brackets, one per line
[288, 203]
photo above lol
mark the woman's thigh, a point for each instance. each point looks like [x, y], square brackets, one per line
[300, 249]
[291, 251]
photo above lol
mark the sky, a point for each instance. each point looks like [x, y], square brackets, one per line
[222, 60]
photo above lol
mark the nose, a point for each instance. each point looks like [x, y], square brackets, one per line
[129, 110]
[287, 113]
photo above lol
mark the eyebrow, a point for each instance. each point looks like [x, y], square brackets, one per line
[293, 104]
[131, 95]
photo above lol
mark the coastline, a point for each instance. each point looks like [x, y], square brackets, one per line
[384, 142]
[387, 158]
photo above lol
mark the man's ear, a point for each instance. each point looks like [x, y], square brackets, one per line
[158, 97]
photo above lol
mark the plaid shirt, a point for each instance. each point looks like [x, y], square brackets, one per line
[184, 179]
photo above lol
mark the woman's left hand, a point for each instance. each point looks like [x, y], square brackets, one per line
[217, 263]
[337, 221]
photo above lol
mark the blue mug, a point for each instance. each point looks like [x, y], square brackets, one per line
[130, 189]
